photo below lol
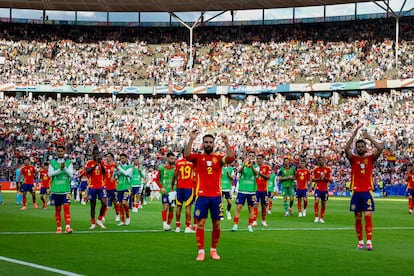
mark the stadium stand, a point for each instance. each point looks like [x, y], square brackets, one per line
[147, 127]
[262, 55]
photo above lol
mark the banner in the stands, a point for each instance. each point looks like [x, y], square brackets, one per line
[210, 89]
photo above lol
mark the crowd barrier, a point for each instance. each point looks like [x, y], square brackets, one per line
[393, 190]
[402, 84]
[11, 186]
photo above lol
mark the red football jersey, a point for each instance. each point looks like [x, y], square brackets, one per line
[322, 185]
[184, 171]
[82, 174]
[96, 176]
[28, 173]
[208, 173]
[45, 178]
[410, 180]
[261, 182]
[110, 183]
[361, 173]
[303, 177]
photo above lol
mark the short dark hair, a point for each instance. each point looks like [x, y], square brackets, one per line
[95, 149]
[360, 141]
[122, 154]
[209, 135]
[61, 147]
[170, 154]
[112, 155]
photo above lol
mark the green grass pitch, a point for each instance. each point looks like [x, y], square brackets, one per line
[289, 245]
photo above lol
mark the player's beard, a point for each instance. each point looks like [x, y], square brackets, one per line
[361, 153]
[208, 149]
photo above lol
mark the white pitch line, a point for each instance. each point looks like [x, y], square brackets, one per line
[209, 230]
[55, 270]
[83, 232]
[334, 228]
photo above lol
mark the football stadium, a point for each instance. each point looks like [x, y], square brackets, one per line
[284, 129]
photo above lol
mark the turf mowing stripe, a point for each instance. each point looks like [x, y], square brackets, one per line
[209, 230]
[63, 272]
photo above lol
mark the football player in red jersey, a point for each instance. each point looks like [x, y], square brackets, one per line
[45, 187]
[362, 166]
[303, 177]
[184, 177]
[27, 175]
[410, 186]
[208, 167]
[95, 170]
[322, 176]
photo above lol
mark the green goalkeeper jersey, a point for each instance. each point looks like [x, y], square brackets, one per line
[284, 172]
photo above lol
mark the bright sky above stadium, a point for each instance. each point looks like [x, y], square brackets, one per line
[270, 14]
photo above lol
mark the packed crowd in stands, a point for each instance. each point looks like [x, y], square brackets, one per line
[148, 127]
[242, 55]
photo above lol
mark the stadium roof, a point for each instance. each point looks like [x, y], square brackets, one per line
[163, 5]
